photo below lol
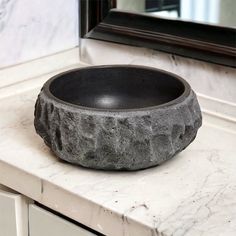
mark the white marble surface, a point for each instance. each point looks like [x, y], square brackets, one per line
[32, 29]
[205, 78]
[193, 194]
[41, 66]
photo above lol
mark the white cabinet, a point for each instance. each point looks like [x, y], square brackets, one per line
[20, 217]
[43, 222]
[13, 213]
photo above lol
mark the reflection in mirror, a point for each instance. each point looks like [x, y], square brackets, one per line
[219, 12]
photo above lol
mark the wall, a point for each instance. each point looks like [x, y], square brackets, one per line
[227, 12]
[131, 5]
[32, 29]
[205, 78]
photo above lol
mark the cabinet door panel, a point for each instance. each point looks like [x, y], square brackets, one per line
[13, 213]
[43, 222]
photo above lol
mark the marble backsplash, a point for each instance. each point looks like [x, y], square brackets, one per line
[32, 29]
[205, 78]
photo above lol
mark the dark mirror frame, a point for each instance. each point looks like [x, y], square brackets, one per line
[211, 43]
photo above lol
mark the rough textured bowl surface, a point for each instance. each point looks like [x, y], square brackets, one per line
[117, 117]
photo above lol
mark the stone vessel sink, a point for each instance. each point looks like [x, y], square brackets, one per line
[117, 117]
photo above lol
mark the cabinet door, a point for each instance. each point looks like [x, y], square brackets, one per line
[43, 222]
[13, 213]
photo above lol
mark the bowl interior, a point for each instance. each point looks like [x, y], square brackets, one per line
[117, 87]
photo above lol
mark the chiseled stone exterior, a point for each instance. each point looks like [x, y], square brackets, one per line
[127, 140]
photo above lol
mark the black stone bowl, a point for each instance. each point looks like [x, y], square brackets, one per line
[117, 117]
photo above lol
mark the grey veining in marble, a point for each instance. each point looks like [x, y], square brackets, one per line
[32, 29]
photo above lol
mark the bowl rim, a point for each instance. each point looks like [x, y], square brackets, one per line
[179, 99]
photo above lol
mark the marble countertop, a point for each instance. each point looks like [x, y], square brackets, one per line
[192, 194]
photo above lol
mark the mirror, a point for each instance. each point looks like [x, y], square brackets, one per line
[218, 12]
[175, 29]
